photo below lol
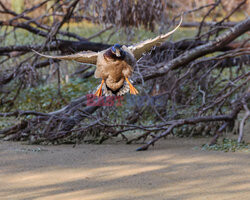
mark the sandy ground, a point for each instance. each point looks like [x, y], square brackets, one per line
[173, 169]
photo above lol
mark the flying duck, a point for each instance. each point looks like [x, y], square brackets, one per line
[115, 65]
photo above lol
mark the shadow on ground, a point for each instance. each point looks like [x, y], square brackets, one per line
[173, 169]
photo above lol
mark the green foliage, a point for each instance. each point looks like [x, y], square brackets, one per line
[134, 35]
[7, 122]
[46, 98]
[20, 37]
[17, 5]
[228, 145]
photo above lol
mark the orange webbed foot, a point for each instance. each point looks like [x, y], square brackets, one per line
[132, 89]
[99, 91]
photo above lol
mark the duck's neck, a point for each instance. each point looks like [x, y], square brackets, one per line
[109, 54]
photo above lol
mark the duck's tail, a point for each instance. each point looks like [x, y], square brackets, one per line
[119, 92]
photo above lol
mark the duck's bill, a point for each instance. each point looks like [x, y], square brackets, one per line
[117, 53]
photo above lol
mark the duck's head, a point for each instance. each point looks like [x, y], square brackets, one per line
[117, 50]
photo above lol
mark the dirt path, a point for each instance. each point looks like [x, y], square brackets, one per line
[173, 169]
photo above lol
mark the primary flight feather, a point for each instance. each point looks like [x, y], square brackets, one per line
[115, 65]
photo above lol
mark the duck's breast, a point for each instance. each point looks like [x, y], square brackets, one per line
[106, 67]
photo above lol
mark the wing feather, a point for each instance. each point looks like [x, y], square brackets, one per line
[146, 45]
[86, 57]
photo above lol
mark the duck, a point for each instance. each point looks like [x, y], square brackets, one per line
[115, 65]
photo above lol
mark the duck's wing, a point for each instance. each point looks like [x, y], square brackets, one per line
[85, 57]
[146, 45]
[129, 58]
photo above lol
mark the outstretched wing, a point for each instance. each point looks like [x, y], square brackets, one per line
[146, 45]
[86, 57]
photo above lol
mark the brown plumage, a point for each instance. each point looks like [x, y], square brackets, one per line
[115, 65]
[113, 69]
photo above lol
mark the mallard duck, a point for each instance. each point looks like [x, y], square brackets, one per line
[115, 65]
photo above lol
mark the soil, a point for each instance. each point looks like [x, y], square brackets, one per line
[175, 168]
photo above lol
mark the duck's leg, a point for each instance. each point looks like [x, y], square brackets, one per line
[131, 87]
[99, 91]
